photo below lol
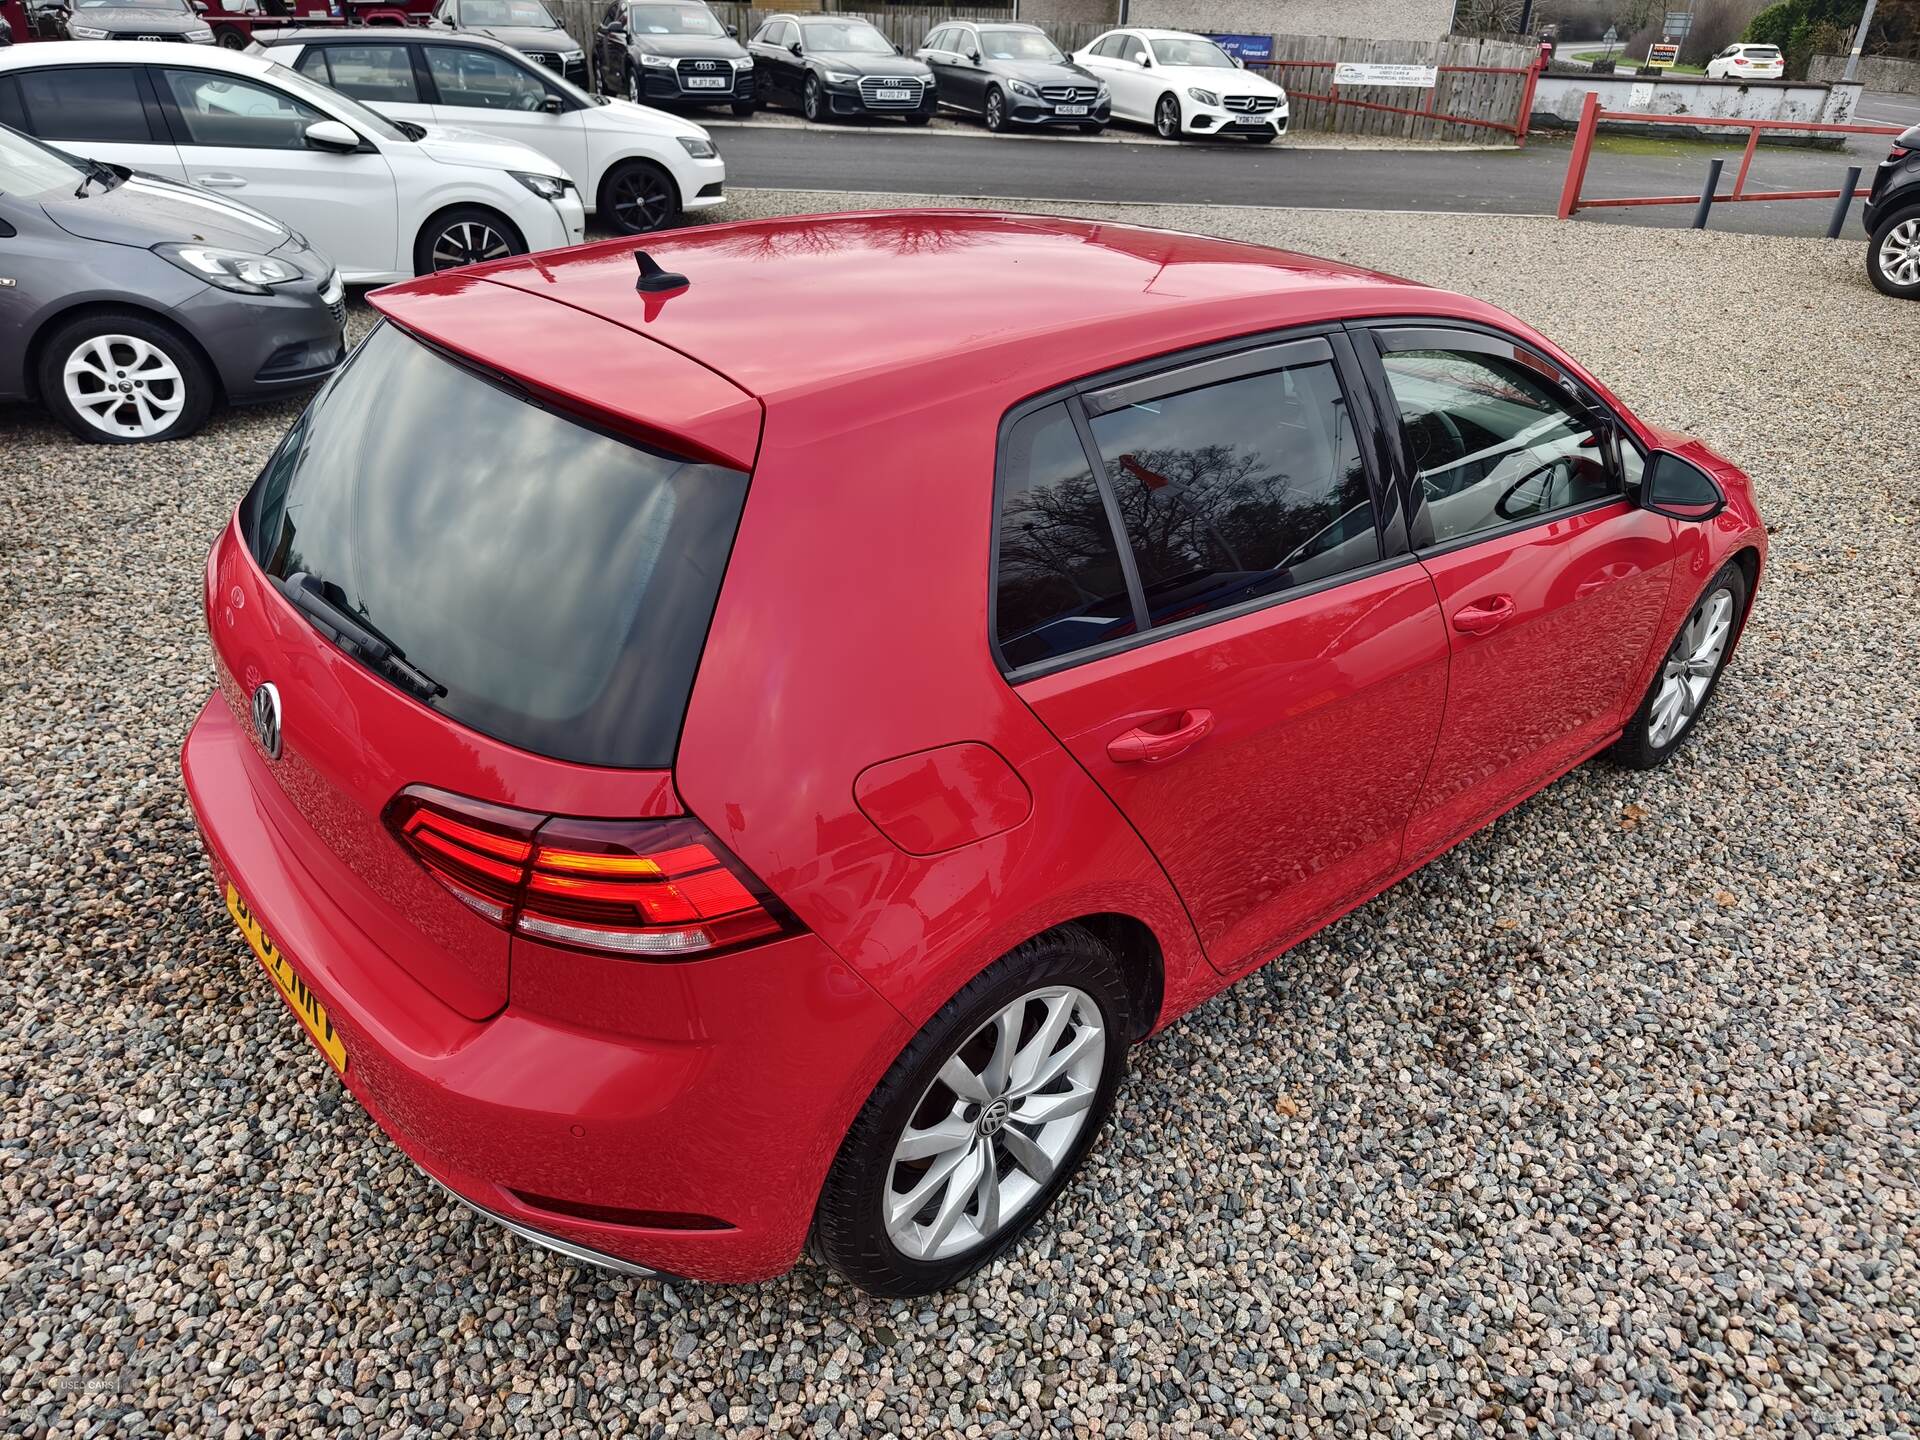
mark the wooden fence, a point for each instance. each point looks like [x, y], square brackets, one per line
[1489, 84]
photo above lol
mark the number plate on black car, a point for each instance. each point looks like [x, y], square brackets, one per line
[706, 82]
[893, 95]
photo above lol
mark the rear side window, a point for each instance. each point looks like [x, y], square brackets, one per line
[1059, 586]
[101, 104]
[557, 582]
[1237, 490]
[228, 111]
[379, 73]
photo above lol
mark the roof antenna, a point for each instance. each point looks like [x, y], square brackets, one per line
[653, 279]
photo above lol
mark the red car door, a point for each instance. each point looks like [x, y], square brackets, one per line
[1253, 675]
[1551, 578]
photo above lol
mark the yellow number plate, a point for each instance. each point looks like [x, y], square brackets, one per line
[302, 1001]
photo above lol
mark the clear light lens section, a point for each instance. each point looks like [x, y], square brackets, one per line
[625, 942]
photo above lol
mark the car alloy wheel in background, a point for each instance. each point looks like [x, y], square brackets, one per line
[123, 378]
[1166, 118]
[812, 101]
[1893, 259]
[466, 236]
[638, 197]
[996, 111]
[633, 85]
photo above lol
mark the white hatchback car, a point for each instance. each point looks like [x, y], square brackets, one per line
[1184, 84]
[1747, 62]
[384, 199]
[637, 168]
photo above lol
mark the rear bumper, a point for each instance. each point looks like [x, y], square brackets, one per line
[670, 1118]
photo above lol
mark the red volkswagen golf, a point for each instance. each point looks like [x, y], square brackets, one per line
[732, 758]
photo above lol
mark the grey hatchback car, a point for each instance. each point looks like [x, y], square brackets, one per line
[130, 304]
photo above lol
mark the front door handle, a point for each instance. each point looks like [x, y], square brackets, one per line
[1141, 744]
[222, 182]
[1483, 617]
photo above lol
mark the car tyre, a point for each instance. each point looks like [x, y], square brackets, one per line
[230, 39]
[1166, 117]
[464, 235]
[1893, 255]
[996, 111]
[1688, 675]
[973, 1131]
[167, 386]
[634, 88]
[813, 100]
[638, 196]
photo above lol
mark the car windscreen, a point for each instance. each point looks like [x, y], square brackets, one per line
[29, 168]
[1017, 45]
[529, 14]
[176, 6]
[1192, 52]
[853, 38]
[673, 20]
[552, 583]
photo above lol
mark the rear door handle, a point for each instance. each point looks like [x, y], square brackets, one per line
[1483, 617]
[1141, 744]
[222, 182]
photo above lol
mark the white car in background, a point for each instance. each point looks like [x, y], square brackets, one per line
[1184, 84]
[639, 169]
[385, 199]
[1747, 62]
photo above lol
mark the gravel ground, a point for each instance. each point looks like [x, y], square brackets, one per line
[1603, 1124]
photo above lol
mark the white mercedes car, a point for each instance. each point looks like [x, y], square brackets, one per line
[637, 168]
[385, 199]
[1184, 84]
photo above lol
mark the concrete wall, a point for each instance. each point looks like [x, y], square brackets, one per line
[1876, 72]
[1363, 19]
[1560, 97]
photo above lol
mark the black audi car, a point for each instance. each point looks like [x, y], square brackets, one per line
[663, 52]
[1892, 218]
[1013, 77]
[138, 20]
[831, 65]
[527, 25]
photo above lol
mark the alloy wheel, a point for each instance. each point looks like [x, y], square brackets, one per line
[1688, 671]
[810, 99]
[1166, 117]
[641, 200]
[1900, 252]
[996, 111]
[124, 386]
[999, 1118]
[468, 242]
[633, 85]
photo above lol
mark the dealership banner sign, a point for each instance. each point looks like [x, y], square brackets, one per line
[1422, 77]
[1251, 49]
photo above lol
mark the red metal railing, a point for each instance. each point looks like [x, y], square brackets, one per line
[1516, 126]
[1591, 115]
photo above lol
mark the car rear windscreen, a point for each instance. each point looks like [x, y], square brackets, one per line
[545, 583]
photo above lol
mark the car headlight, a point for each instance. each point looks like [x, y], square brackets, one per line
[85, 32]
[1105, 94]
[698, 146]
[835, 77]
[202, 36]
[547, 187]
[659, 62]
[1205, 97]
[566, 55]
[1021, 87]
[744, 62]
[238, 270]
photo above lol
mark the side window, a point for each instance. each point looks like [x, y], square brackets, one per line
[1059, 586]
[480, 80]
[374, 72]
[1493, 441]
[1241, 489]
[11, 112]
[1109, 47]
[313, 65]
[226, 110]
[936, 41]
[1633, 461]
[86, 104]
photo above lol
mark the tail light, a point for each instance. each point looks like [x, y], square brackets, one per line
[1898, 152]
[645, 889]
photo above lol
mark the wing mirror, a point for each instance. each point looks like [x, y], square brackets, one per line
[332, 135]
[1679, 489]
[733, 32]
[794, 48]
[1140, 57]
[554, 105]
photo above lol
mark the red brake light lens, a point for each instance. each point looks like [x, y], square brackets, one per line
[1898, 152]
[646, 889]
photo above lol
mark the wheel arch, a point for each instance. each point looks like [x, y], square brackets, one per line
[440, 211]
[76, 307]
[636, 157]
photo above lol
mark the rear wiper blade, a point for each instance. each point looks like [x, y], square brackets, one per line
[358, 637]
